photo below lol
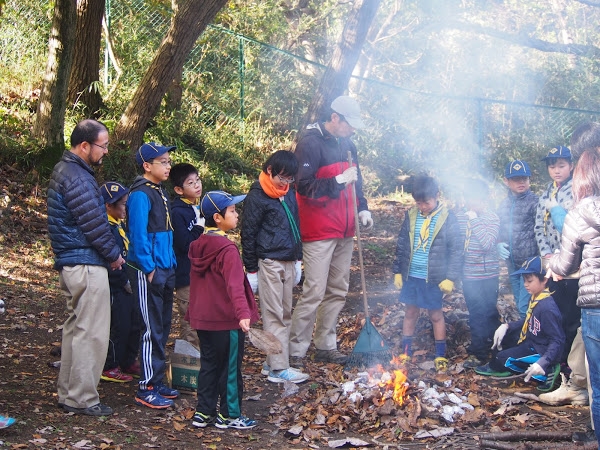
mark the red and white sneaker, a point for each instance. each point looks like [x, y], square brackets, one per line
[115, 375]
[133, 370]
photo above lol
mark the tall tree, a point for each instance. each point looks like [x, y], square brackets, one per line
[344, 58]
[189, 20]
[49, 122]
[83, 85]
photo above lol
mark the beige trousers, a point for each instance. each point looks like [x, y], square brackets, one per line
[326, 280]
[275, 284]
[182, 298]
[85, 334]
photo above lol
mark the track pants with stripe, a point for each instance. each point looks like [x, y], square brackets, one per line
[220, 376]
[156, 308]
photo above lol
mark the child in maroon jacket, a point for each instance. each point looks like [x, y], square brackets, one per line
[222, 308]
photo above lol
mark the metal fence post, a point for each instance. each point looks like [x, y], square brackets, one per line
[241, 72]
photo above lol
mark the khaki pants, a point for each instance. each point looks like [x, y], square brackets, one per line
[182, 298]
[85, 334]
[326, 280]
[275, 284]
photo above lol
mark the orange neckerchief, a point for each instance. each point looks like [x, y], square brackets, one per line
[270, 189]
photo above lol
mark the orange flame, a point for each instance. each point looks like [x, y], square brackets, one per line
[397, 382]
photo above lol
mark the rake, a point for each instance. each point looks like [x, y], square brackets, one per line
[370, 348]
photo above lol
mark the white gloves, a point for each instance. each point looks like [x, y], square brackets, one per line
[297, 272]
[253, 280]
[551, 203]
[499, 335]
[199, 218]
[532, 370]
[471, 215]
[350, 175]
[503, 251]
[366, 219]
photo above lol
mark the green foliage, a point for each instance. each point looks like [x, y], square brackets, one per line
[16, 144]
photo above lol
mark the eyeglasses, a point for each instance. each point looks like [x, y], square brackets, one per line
[193, 183]
[165, 163]
[103, 147]
[285, 180]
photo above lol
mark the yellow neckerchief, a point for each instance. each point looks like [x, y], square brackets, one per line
[270, 189]
[214, 230]
[554, 193]
[119, 224]
[196, 201]
[424, 232]
[532, 303]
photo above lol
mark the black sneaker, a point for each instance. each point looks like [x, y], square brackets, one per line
[330, 356]
[584, 436]
[202, 420]
[551, 377]
[96, 410]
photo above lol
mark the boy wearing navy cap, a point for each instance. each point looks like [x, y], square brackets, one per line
[151, 265]
[222, 308]
[516, 239]
[124, 343]
[535, 344]
[552, 208]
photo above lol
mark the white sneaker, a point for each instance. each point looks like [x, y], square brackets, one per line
[265, 369]
[566, 394]
[290, 375]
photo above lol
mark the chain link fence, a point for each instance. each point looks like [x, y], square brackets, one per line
[234, 79]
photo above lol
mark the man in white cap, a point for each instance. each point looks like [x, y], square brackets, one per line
[324, 193]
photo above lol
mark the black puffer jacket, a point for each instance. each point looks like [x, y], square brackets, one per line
[580, 247]
[77, 221]
[445, 253]
[517, 226]
[266, 230]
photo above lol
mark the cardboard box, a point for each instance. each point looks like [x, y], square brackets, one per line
[183, 372]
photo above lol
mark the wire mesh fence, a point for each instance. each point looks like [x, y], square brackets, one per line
[232, 78]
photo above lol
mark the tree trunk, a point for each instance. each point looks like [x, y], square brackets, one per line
[346, 54]
[83, 85]
[189, 20]
[49, 122]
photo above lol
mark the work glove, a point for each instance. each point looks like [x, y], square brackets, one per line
[398, 281]
[297, 272]
[532, 370]
[253, 280]
[503, 251]
[366, 219]
[446, 286]
[551, 203]
[199, 218]
[471, 215]
[350, 175]
[499, 335]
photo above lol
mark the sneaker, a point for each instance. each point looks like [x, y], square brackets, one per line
[152, 399]
[202, 420]
[331, 356]
[583, 437]
[441, 364]
[551, 377]
[133, 370]
[265, 369]
[297, 362]
[472, 362]
[6, 422]
[241, 423]
[115, 375]
[166, 392]
[566, 394]
[487, 371]
[291, 375]
[96, 410]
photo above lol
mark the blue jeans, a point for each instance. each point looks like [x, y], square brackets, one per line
[518, 287]
[590, 330]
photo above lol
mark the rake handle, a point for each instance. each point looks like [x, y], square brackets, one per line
[360, 253]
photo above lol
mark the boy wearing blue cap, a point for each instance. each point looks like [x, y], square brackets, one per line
[536, 343]
[222, 308]
[124, 343]
[516, 239]
[151, 265]
[552, 209]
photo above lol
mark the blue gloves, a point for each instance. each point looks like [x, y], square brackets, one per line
[503, 251]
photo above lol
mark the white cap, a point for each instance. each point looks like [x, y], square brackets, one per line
[349, 108]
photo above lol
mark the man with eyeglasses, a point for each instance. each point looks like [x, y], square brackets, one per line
[84, 250]
[324, 193]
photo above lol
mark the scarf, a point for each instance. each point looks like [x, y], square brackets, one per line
[196, 201]
[214, 230]
[532, 304]
[119, 224]
[424, 232]
[553, 193]
[270, 189]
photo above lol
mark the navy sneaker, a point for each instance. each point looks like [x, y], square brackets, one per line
[202, 420]
[152, 399]
[241, 423]
[487, 371]
[166, 391]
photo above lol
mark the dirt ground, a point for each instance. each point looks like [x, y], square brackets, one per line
[31, 328]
